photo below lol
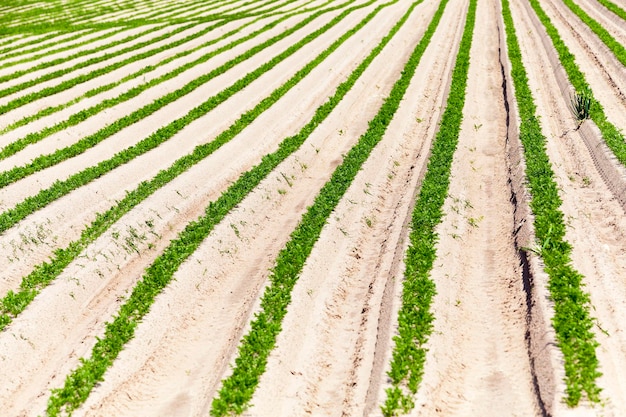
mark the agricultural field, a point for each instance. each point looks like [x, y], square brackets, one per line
[312, 208]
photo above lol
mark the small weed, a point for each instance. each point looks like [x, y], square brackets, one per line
[235, 229]
[473, 221]
[580, 105]
[287, 179]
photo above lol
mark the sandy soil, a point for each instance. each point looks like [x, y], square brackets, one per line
[595, 220]
[81, 206]
[492, 352]
[478, 362]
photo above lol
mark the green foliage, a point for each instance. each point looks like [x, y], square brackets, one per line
[610, 133]
[580, 105]
[572, 319]
[414, 318]
[237, 390]
[81, 381]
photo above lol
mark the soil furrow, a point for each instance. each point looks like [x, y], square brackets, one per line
[595, 218]
[478, 363]
[324, 360]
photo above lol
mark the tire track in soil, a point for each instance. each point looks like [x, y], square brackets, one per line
[100, 299]
[324, 360]
[478, 361]
[62, 220]
[595, 220]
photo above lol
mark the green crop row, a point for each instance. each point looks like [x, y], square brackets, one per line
[79, 383]
[64, 16]
[611, 134]
[82, 115]
[237, 390]
[614, 8]
[58, 73]
[572, 319]
[414, 317]
[60, 188]
[6, 53]
[604, 35]
[15, 302]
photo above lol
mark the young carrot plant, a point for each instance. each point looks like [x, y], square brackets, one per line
[415, 318]
[572, 319]
[80, 382]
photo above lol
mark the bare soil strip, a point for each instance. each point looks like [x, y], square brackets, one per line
[595, 217]
[478, 362]
[98, 298]
[67, 215]
[324, 360]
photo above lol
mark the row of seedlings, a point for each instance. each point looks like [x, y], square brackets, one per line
[572, 318]
[415, 318]
[158, 275]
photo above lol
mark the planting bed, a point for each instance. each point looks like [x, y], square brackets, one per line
[312, 207]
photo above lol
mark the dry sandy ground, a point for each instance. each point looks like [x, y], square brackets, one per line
[492, 350]
[595, 217]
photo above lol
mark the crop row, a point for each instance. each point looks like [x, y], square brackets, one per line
[572, 319]
[60, 188]
[19, 49]
[414, 317]
[118, 332]
[105, 57]
[604, 35]
[255, 347]
[611, 134]
[59, 73]
[76, 12]
[15, 302]
[82, 115]
[614, 8]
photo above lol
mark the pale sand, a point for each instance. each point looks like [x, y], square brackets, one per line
[492, 351]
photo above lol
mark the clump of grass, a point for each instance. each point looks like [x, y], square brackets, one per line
[580, 105]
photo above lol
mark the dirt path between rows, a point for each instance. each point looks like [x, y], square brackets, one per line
[478, 363]
[595, 220]
[61, 221]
